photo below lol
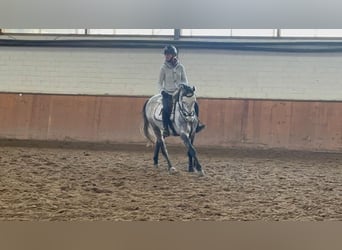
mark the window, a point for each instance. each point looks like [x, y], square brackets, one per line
[229, 32]
[210, 33]
[156, 32]
[45, 31]
[206, 32]
[311, 32]
[254, 32]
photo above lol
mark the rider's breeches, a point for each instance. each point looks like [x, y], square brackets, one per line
[167, 107]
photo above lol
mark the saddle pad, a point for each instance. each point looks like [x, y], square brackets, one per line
[158, 111]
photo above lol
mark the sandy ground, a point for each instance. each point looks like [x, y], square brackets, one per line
[119, 183]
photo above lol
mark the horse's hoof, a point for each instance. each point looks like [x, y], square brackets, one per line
[172, 170]
[201, 173]
[155, 165]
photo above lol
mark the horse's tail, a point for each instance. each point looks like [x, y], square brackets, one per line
[147, 125]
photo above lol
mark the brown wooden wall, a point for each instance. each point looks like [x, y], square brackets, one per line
[303, 125]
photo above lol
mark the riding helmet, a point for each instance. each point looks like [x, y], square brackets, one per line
[170, 49]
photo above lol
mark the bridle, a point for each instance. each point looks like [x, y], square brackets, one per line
[188, 115]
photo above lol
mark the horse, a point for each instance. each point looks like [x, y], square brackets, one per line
[183, 123]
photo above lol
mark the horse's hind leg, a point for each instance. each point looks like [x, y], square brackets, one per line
[156, 153]
[166, 155]
[160, 144]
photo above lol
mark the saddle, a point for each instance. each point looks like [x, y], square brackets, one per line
[159, 111]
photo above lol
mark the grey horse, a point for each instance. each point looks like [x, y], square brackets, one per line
[184, 123]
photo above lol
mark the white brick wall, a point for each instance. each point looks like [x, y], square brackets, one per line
[216, 73]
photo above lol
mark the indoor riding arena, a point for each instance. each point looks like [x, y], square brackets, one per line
[72, 146]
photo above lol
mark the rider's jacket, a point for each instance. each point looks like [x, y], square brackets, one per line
[171, 76]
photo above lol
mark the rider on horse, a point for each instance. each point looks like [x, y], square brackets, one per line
[172, 73]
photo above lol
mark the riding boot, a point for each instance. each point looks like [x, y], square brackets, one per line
[166, 131]
[200, 126]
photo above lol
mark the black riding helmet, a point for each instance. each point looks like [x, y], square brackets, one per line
[170, 49]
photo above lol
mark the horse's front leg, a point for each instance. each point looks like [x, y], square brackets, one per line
[192, 154]
[191, 160]
[191, 165]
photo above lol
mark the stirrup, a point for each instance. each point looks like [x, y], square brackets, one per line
[166, 132]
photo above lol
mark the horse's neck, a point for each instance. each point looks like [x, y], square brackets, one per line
[176, 97]
[175, 100]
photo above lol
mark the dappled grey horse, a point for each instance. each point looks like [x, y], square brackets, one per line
[184, 121]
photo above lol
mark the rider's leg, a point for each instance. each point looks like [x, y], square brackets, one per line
[166, 113]
[200, 125]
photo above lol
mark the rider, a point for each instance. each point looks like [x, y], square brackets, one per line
[172, 73]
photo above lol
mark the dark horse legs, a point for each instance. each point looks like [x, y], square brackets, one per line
[160, 145]
[193, 160]
[156, 153]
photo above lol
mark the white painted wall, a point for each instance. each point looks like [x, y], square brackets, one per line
[216, 73]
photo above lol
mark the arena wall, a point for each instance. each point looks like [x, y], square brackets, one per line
[247, 99]
[216, 73]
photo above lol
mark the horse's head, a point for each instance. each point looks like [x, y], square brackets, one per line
[187, 100]
[186, 90]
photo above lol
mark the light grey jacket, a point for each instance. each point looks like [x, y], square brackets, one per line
[170, 77]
